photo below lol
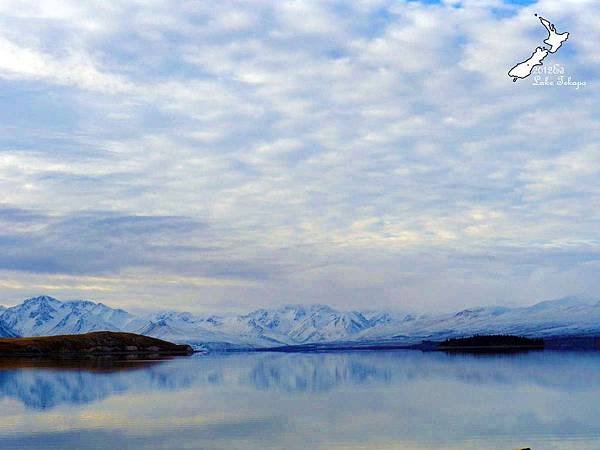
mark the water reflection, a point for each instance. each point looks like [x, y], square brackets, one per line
[423, 400]
[44, 384]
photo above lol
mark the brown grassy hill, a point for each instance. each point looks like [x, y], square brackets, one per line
[97, 343]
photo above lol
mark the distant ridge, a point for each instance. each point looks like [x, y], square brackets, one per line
[293, 325]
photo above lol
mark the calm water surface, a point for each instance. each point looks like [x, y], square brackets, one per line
[353, 400]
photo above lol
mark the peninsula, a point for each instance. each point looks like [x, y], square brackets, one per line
[90, 344]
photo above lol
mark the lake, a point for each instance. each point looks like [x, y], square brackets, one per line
[346, 400]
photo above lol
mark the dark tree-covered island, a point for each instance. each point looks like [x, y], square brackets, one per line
[491, 342]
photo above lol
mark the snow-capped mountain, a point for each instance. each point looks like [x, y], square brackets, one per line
[567, 316]
[290, 324]
[46, 316]
[299, 324]
[327, 324]
[212, 331]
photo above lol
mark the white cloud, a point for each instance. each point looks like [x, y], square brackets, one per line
[318, 140]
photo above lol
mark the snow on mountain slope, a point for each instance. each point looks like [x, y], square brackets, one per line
[45, 316]
[298, 324]
[282, 320]
[184, 327]
[286, 325]
[381, 318]
[326, 324]
[556, 317]
[6, 332]
[292, 324]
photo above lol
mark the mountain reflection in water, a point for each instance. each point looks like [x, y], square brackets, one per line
[323, 400]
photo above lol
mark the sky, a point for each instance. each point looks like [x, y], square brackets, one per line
[226, 155]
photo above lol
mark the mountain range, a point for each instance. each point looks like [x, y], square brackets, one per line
[301, 324]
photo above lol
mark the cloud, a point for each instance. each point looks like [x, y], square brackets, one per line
[92, 242]
[312, 151]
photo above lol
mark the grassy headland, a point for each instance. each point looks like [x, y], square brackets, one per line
[97, 343]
